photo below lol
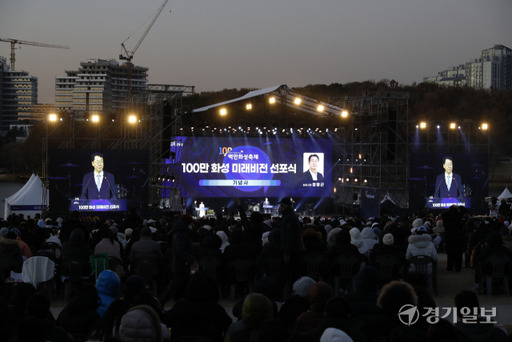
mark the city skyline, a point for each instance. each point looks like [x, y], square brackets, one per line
[214, 45]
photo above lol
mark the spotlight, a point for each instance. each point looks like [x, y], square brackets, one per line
[344, 114]
[423, 125]
[248, 106]
[223, 111]
[484, 126]
[272, 100]
[297, 101]
[453, 125]
[52, 117]
[132, 119]
[95, 118]
[320, 108]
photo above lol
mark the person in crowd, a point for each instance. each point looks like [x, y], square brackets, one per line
[38, 306]
[318, 295]
[356, 240]
[298, 303]
[184, 258]
[257, 308]
[421, 243]
[25, 249]
[145, 247]
[369, 237]
[454, 239]
[10, 255]
[108, 244]
[363, 299]
[292, 246]
[108, 286]
[472, 325]
[199, 313]
[141, 324]
[76, 249]
[80, 316]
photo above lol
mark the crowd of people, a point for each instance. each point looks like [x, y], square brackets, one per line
[122, 304]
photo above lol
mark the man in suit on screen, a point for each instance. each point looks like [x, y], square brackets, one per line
[98, 184]
[448, 184]
[312, 174]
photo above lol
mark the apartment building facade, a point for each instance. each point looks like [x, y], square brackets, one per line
[99, 86]
[493, 70]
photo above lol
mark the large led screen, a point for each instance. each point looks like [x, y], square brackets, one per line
[252, 167]
[98, 180]
[440, 180]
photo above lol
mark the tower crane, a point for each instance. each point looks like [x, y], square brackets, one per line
[24, 42]
[128, 55]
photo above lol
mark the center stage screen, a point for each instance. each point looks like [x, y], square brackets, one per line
[252, 167]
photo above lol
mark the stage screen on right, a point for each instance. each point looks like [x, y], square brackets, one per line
[440, 180]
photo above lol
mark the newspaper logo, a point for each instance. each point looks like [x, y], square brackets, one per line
[408, 314]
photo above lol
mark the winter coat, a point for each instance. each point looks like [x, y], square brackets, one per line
[421, 245]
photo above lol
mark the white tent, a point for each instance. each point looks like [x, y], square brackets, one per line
[28, 200]
[505, 194]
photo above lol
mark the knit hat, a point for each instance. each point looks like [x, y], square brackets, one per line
[388, 239]
[416, 223]
[128, 232]
[256, 309]
[335, 335]
[4, 231]
[141, 323]
[301, 285]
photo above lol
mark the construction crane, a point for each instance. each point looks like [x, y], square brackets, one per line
[128, 55]
[24, 42]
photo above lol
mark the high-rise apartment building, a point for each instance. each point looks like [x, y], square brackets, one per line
[100, 86]
[493, 70]
[18, 93]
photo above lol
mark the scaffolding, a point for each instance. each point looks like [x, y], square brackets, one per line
[372, 147]
[156, 121]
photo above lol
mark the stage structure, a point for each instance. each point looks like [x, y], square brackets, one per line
[373, 149]
[378, 142]
[149, 122]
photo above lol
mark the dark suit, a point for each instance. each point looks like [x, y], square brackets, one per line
[456, 189]
[108, 188]
[308, 178]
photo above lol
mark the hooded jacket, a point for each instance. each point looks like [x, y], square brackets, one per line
[421, 245]
[108, 286]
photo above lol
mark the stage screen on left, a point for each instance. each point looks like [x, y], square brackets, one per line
[124, 179]
[253, 167]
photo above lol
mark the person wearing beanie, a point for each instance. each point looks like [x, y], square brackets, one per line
[388, 239]
[387, 248]
[297, 303]
[256, 309]
[141, 324]
[318, 295]
[415, 224]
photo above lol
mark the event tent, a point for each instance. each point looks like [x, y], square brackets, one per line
[505, 194]
[28, 200]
